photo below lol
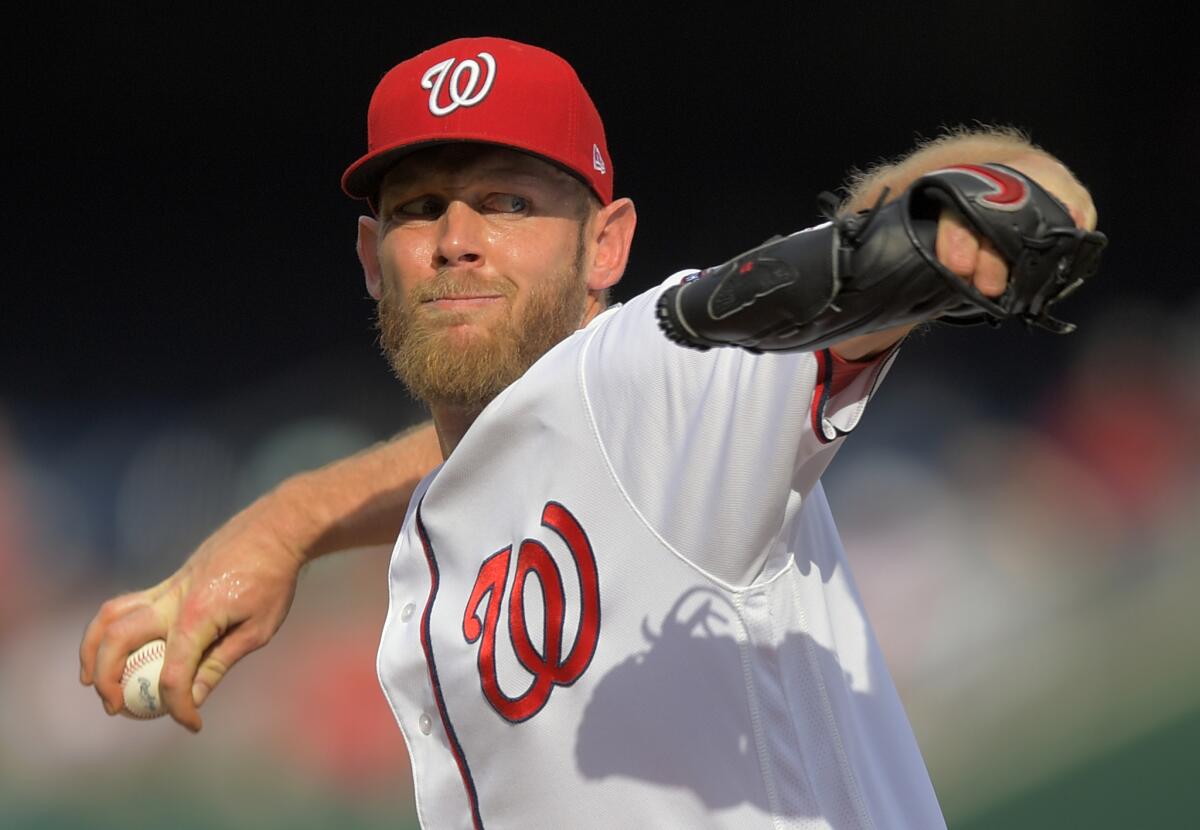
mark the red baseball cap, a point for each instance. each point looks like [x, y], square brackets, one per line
[489, 90]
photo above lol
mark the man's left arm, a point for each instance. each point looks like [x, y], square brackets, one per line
[973, 227]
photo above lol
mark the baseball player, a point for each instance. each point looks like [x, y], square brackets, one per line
[617, 598]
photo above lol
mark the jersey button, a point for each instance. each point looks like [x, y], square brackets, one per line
[425, 723]
[406, 612]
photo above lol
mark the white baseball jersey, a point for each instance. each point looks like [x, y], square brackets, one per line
[622, 603]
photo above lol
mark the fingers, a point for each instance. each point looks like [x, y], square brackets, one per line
[970, 256]
[201, 652]
[220, 659]
[957, 247]
[1091, 216]
[1054, 176]
[126, 623]
[196, 634]
[109, 612]
[991, 272]
[122, 637]
[1084, 217]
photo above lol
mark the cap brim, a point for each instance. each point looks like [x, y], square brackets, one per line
[363, 178]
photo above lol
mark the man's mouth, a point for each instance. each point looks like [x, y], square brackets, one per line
[462, 301]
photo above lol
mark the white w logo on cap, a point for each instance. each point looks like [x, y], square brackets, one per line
[462, 93]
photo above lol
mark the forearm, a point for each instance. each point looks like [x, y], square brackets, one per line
[354, 502]
[867, 346]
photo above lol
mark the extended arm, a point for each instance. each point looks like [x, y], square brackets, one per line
[930, 236]
[232, 594]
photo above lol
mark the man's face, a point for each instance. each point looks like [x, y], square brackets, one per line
[481, 252]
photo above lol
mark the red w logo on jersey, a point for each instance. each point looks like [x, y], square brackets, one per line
[548, 667]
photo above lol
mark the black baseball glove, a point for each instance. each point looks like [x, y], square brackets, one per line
[874, 270]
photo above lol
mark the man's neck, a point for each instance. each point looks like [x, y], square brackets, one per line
[452, 423]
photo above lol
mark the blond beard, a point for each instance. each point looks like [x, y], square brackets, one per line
[419, 345]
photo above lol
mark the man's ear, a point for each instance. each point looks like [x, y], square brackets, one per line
[611, 231]
[368, 254]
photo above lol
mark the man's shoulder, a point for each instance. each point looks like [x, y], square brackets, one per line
[647, 297]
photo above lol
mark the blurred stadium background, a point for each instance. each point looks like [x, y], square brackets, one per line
[182, 326]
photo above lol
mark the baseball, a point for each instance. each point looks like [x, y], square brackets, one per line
[139, 681]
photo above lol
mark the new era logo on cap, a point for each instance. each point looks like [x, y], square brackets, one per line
[488, 90]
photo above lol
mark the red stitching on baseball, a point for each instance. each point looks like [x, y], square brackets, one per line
[155, 651]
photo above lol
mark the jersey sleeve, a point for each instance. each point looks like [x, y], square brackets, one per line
[713, 449]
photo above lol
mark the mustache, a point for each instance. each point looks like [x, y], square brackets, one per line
[448, 283]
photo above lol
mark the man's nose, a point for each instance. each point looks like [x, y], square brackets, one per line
[460, 237]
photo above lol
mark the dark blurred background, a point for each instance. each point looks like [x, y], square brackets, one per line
[183, 323]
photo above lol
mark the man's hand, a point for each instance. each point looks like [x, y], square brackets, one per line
[228, 599]
[971, 256]
[234, 592]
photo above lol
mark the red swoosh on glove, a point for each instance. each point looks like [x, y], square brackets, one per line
[1010, 192]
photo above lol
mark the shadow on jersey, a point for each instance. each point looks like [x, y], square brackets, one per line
[677, 715]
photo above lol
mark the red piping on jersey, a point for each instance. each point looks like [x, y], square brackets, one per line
[835, 373]
[821, 393]
[455, 747]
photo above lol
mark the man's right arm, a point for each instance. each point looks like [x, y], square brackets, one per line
[232, 594]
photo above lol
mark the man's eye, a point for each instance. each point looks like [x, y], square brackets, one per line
[425, 206]
[507, 203]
